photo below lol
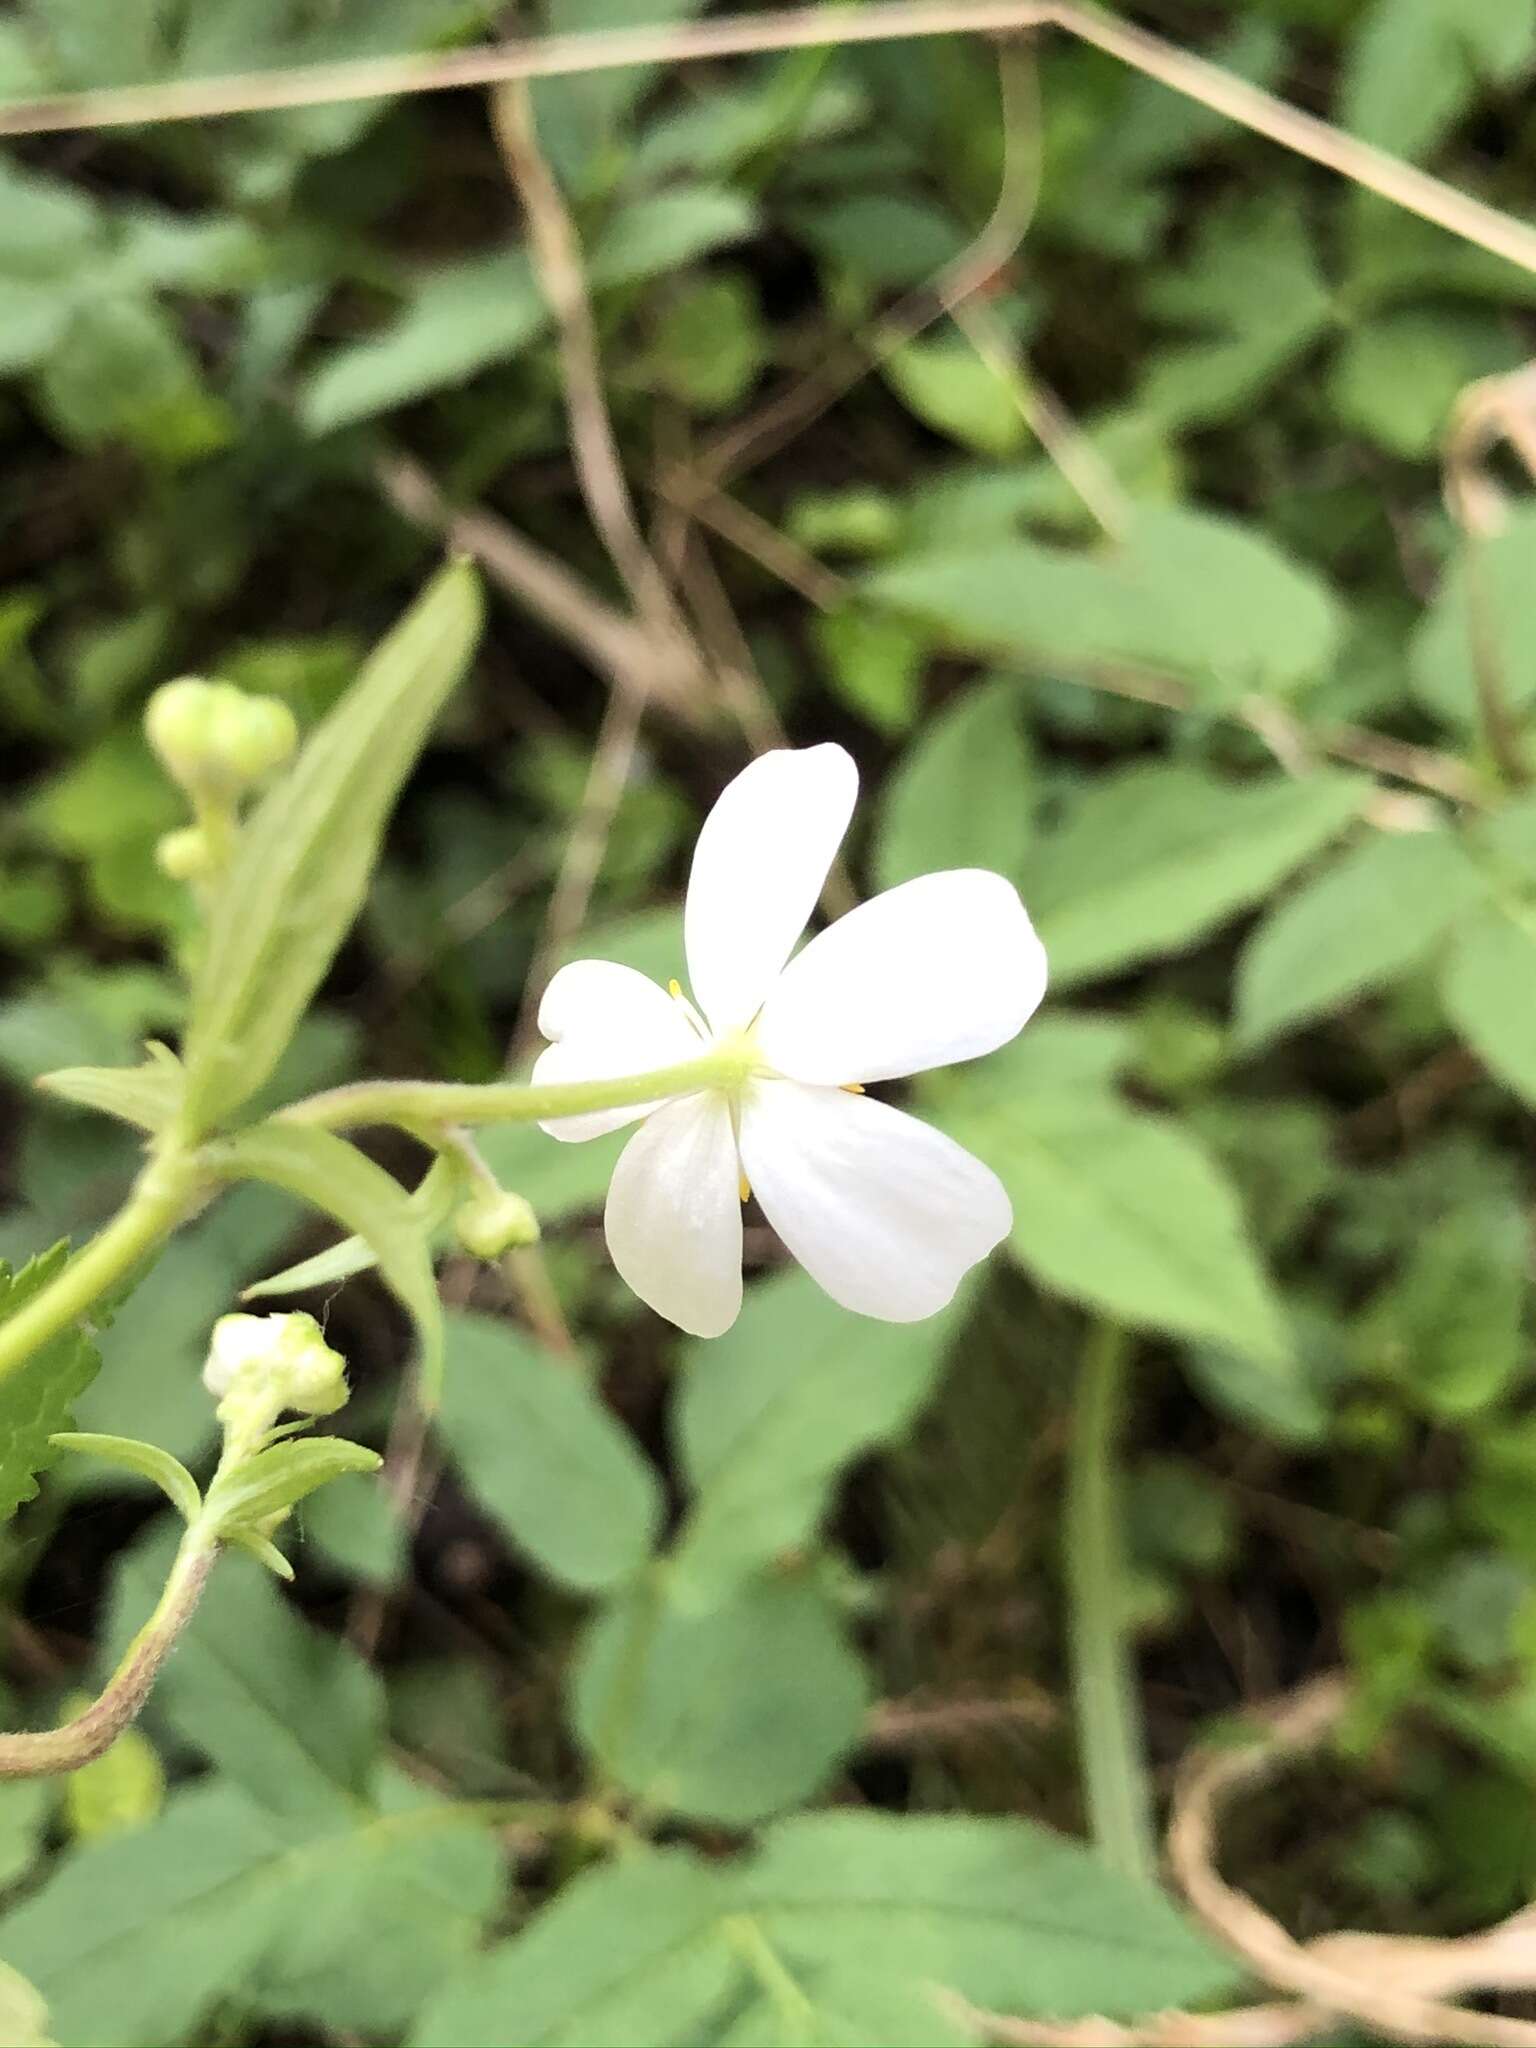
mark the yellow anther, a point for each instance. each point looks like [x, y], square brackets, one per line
[852, 1087]
[675, 990]
[744, 1188]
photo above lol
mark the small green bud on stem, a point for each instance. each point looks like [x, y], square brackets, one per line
[216, 740]
[493, 1221]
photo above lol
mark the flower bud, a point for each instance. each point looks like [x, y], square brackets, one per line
[215, 739]
[252, 735]
[177, 723]
[494, 1221]
[185, 855]
[269, 1363]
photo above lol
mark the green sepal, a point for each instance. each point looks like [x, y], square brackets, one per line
[263, 1550]
[431, 1201]
[335, 1177]
[148, 1097]
[274, 1479]
[305, 856]
[148, 1461]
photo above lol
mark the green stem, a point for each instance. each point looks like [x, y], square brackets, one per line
[431, 1104]
[162, 1197]
[51, 1751]
[1108, 1717]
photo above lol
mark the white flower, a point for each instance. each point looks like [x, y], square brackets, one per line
[885, 1212]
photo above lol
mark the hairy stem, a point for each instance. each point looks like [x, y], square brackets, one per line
[51, 1751]
[426, 1105]
[162, 1197]
[1108, 1720]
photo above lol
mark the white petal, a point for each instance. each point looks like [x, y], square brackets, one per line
[608, 1021]
[758, 868]
[886, 1213]
[673, 1219]
[941, 969]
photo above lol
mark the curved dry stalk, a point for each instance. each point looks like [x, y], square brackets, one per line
[372, 78]
[49, 1752]
[1394, 1987]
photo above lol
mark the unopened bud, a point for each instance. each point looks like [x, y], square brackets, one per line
[185, 855]
[269, 1363]
[214, 738]
[494, 1221]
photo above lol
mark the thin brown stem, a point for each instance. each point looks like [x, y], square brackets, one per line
[51, 1751]
[792, 28]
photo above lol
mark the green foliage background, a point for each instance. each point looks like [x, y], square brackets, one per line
[801, 1588]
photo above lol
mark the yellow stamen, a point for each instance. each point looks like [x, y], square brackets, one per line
[675, 991]
[852, 1087]
[745, 1188]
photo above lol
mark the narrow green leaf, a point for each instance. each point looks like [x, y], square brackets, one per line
[544, 1457]
[148, 1461]
[148, 1096]
[726, 1713]
[341, 1182]
[1370, 917]
[275, 1479]
[36, 1402]
[305, 856]
[431, 1201]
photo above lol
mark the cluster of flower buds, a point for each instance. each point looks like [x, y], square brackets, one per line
[216, 741]
[261, 1365]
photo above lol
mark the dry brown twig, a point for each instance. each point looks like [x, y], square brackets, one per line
[1397, 1988]
[792, 29]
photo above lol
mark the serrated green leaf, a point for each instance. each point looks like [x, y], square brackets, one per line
[305, 856]
[352, 1917]
[291, 1716]
[1448, 1329]
[544, 1457]
[342, 1182]
[964, 794]
[36, 1401]
[1154, 858]
[1127, 1213]
[772, 1412]
[457, 320]
[665, 1946]
[1188, 594]
[1368, 918]
[727, 1712]
[147, 1461]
